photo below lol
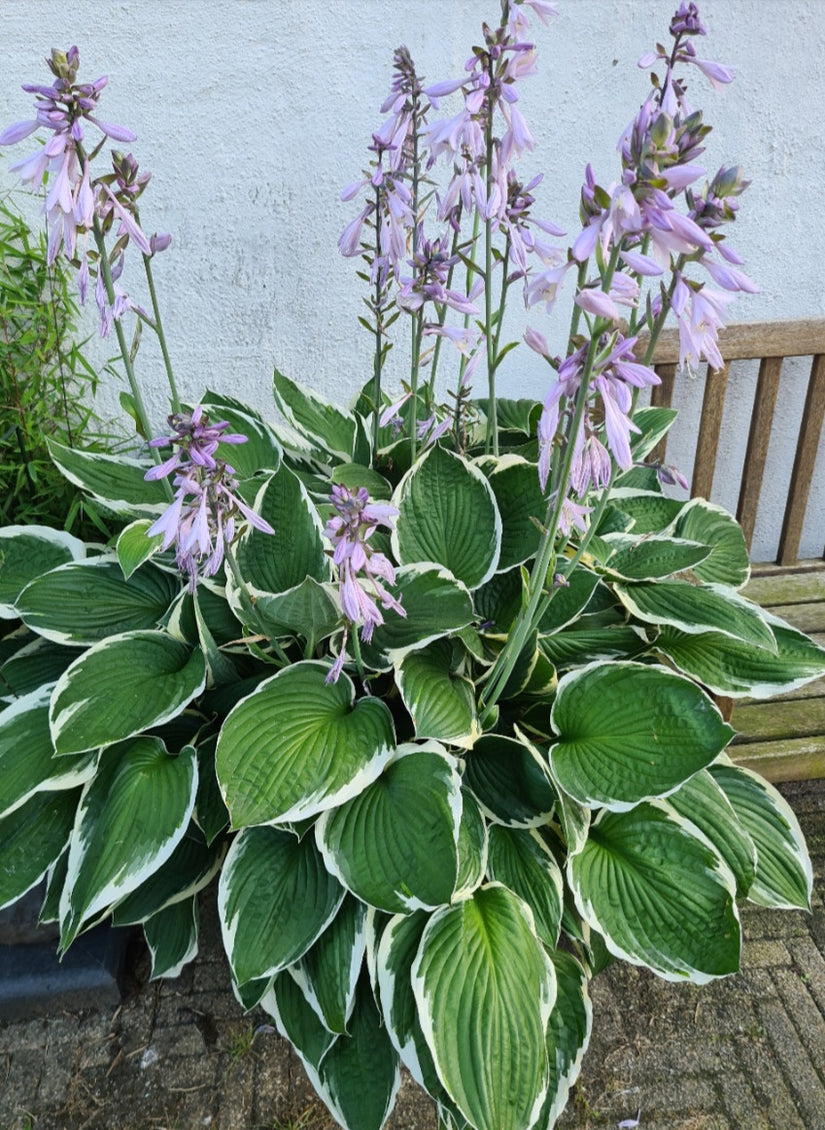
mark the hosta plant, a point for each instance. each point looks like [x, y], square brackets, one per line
[429, 683]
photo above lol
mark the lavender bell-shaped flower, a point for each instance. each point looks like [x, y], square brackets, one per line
[201, 519]
[362, 571]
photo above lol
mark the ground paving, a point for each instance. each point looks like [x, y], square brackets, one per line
[744, 1053]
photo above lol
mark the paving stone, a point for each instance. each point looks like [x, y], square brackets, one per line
[810, 965]
[790, 1051]
[757, 1059]
[764, 953]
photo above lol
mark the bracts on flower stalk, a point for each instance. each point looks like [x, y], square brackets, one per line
[427, 683]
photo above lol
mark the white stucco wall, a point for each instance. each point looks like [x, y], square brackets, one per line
[253, 114]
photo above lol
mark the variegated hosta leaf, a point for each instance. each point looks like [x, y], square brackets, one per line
[328, 972]
[472, 846]
[188, 870]
[628, 732]
[31, 839]
[701, 801]
[172, 937]
[275, 898]
[447, 514]
[484, 988]
[698, 608]
[309, 609]
[650, 511]
[654, 423]
[133, 547]
[327, 429]
[521, 504]
[658, 894]
[436, 604]
[117, 480]
[274, 563]
[359, 1076]
[27, 762]
[396, 954]
[521, 860]
[568, 1034]
[261, 452]
[121, 686]
[394, 845]
[298, 1023]
[88, 601]
[569, 600]
[299, 745]
[25, 553]
[728, 563]
[738, 669]
[131, 817]
[509, 779]
[784, 876]
[440, 701]
[32, 666]
[649, 557]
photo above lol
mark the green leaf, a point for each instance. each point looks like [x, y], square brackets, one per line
[510, 781]
[359, 1076]
[274, 563]
[484, 989]
[702, 801]
[732, 667]
[472, 846]
[131, 817]
[650, 511]
[394, 845]
[121, 686]
[328, 972]
[568, 1034]
[172, 937]
[27, 764]
[654, 424]
[356, 475]
[629, 732]
[275, 898]
[134, 547]
[34, 665]
[25, 553]
[31, 839]
[436, 604]
[569, 600]
[309, 610]
[658, 894]
[448, 515]
[440, 701]
[521, 504]
[298, 1023]
[189, 868]
[784, 876]
[728, 562]
[698, 608]
[116, 480]
[87, 601]
[521, 860]
[299, 745]
[261, 452]
[396, 953]
[651, 556]
[320, 422]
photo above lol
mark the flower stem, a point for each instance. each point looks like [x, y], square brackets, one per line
[158, 327]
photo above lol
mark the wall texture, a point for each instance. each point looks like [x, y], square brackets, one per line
[253, 114]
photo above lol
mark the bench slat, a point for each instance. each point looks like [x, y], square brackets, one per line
[661, 396]
[774, 719]
[803, 465]
[790, 759]
[802, 337]
[713, 405]
[767, 387]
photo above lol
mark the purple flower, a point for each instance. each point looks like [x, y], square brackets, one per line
[362, 571]
[62, 108]
[201, 519]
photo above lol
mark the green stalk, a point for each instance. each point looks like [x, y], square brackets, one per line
[158, 327]
[417, 330]
[137, 396]
[379, 334]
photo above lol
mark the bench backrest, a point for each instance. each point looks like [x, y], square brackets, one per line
[769, 343]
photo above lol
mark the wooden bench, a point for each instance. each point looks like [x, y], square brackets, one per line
[784, 738]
